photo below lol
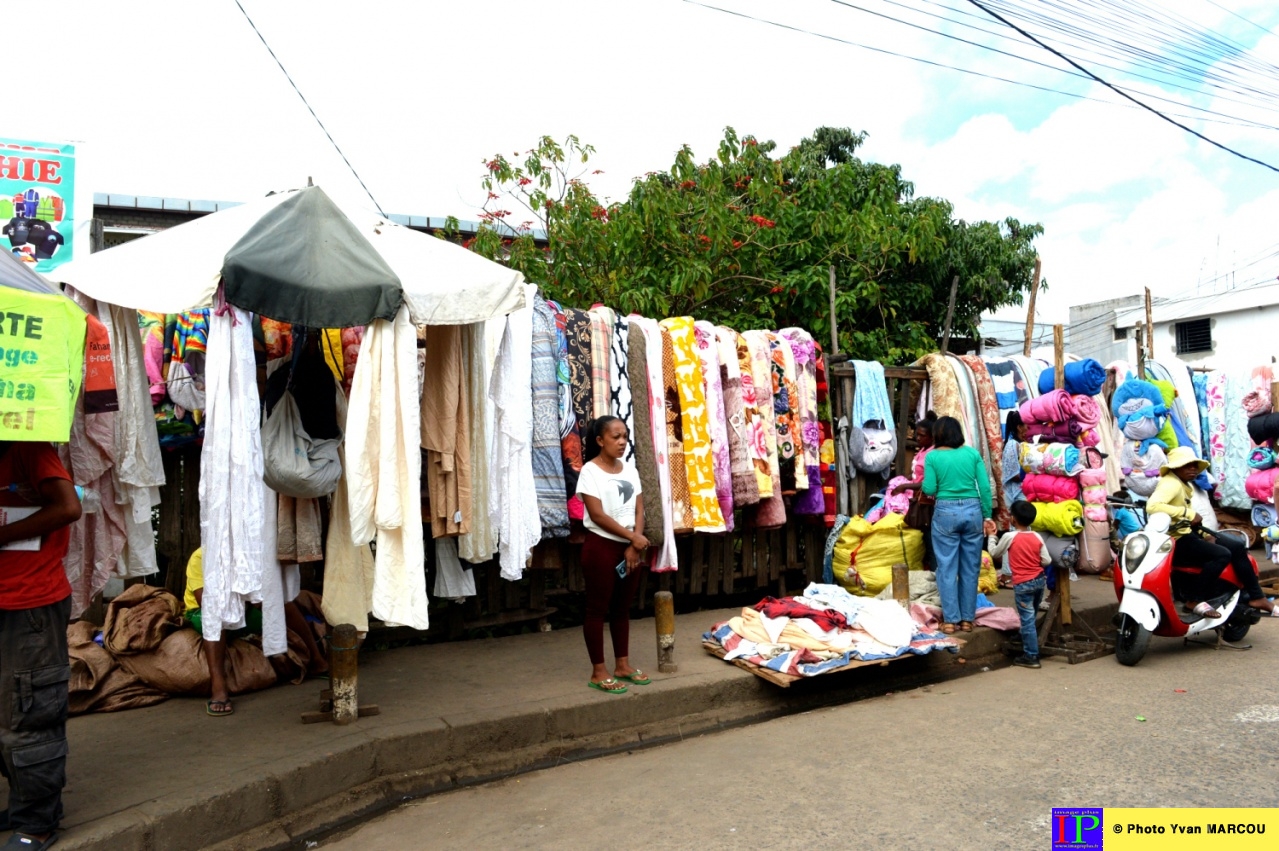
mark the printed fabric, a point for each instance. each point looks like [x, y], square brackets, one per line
[570, 434]
[745, 488]
[988, 407]
[1233, 492]
[771, 510]
[602, 319]
[810, 500]
[790, 440]
[756, 440]
[619, 382]
[546, 448]
[698, 460]
[681, 509]
[667, 557]
[577, 329]
[943, 388]
[1215, 405]
[642, 437]
[713, 385]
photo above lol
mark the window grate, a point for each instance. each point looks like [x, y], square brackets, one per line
[1194, 336]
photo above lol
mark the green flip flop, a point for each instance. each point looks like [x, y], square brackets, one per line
[605, 686]
[636, 677]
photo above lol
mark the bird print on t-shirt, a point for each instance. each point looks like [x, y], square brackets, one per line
[624, 489]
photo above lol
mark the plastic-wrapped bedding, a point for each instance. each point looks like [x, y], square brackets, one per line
[1065, 519]
[1261, 484]
[1083, 377]
[1045, 487]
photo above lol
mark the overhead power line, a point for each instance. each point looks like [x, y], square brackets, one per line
[310, 109]
[1118, 90]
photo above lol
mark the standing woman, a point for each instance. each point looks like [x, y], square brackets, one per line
[610, 490]
[956, 476]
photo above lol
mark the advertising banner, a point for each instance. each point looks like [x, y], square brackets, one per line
[41, 364]
[39, 213]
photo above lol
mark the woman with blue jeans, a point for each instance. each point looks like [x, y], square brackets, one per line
[956, 476]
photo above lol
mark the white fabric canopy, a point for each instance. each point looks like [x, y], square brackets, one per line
[178, 269]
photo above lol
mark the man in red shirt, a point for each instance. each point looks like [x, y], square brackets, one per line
[35, 606]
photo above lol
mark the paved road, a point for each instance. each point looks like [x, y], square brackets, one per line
[969, 764]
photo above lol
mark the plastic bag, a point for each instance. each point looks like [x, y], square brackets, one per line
[294, 464]
[865, 553]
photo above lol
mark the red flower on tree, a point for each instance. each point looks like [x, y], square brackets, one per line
[763, 222]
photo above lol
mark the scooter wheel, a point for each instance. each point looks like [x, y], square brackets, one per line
[1131, 641]
[1235, 631]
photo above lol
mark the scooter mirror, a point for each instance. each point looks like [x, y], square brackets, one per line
[1159, 522]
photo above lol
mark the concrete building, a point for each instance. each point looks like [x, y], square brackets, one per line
[1231, 330]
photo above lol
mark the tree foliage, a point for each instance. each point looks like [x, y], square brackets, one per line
[747, 239]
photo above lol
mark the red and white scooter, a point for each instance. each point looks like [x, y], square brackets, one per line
[1143, 582]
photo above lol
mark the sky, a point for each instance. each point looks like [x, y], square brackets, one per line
[183, 100]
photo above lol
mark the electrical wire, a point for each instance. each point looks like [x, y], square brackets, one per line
[1119, 91]
[310, 109]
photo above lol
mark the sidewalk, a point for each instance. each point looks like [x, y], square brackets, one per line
[170, 777]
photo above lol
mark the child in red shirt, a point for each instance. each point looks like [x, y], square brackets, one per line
[1027, 556]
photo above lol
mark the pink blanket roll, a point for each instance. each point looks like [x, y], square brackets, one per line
[1261, 485]
[1045, 487]
[1051, 432]
[1053, 407]
[1087, 411]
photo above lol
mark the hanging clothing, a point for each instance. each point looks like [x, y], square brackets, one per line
[790, 445]
[713, 387]
[445, 427]
[480, 542]
[745, 488]
[870, 395]
[511, 511]
[348, 567]
[577, 328]
[298, 531]
[642, 440]
[452, 581]
[702, 499]
[602, 319]
[619, 382]
[233, 517]
[385, 469]
[681, 509]
[752, 406]
[771, 510]
[570, 435]
[546, 449]
[805, 350]
[652, 365]
[280, 582]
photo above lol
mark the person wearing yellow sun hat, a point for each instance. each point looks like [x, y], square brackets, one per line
[1172, 497]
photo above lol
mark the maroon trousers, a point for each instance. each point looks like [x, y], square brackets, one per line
[607, 595]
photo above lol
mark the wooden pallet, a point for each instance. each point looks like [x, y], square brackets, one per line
[784, 680]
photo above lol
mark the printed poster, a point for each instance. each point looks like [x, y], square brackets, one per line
[41, 364]
[39, 213]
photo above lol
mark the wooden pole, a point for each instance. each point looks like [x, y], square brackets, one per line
[901, 585]
[950, 314]
[664, 617]
[1141, 354]
[834, 332]
[344, 672]
[1150, 331]
[1030, 309]
[1059, 357]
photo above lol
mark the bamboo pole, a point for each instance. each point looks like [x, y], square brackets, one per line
[1030, 309]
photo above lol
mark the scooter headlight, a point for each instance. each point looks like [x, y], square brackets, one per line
[1134, 551]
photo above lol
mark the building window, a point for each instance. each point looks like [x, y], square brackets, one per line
[1194, 336]
[1121, 334]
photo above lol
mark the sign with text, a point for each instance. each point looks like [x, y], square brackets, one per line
[41, 364]
[38, 207]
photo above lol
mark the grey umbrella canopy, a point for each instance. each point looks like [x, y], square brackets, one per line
[306, 263]
[14, 273]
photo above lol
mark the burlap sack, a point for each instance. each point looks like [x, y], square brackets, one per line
[139, 619]
[179, 666]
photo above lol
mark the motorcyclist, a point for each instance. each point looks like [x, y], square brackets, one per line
[1172, 497]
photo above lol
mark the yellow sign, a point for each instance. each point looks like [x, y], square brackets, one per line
[41, 365]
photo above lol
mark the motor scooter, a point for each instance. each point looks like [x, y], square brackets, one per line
[1144, 576]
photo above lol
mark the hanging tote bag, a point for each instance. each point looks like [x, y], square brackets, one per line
[293, 463]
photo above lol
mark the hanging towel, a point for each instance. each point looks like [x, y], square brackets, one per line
[348, 567]
[870, 395]
[511, 511]
[546, 450]
[602, 319]
[756, 440]
[745, 488]
[805, 350]
[790, 443]
[681, 508]
[713, 388]
[771, 511]
[1004, 376]
[694, 420]
[642, 437]
[1065, 519]
[653, 366]
[1083, 377]
[232, 495]
[385, 468]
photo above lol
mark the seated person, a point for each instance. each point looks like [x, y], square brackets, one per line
[1172, 497]
[215, 651]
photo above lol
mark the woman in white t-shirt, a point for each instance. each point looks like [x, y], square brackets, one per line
[610, 490]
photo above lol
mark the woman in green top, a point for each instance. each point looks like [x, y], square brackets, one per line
[956, 476]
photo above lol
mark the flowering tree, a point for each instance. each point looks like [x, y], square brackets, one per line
[747, 238]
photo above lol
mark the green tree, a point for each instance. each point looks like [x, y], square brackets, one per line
[747, 239]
